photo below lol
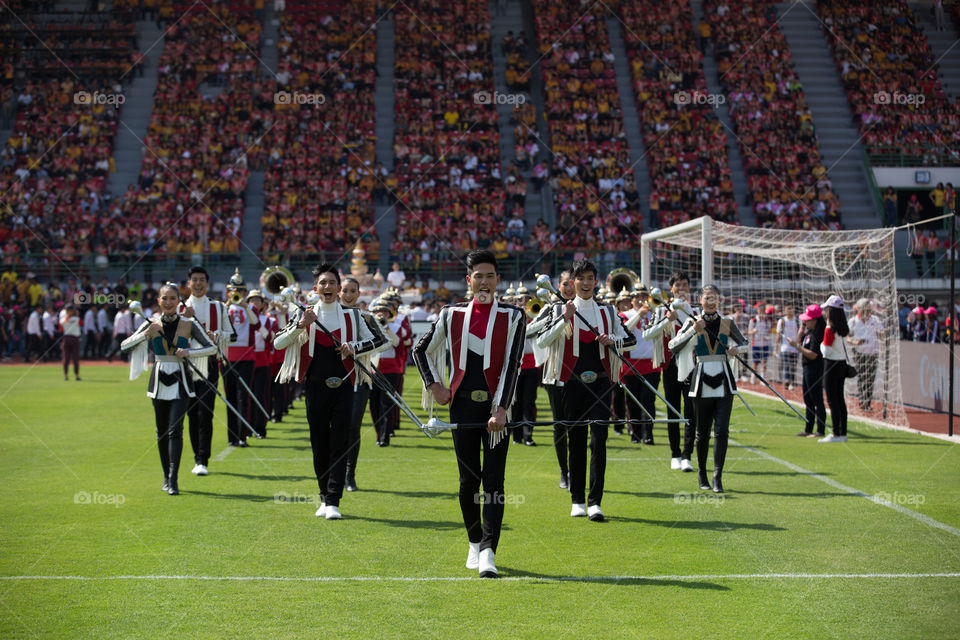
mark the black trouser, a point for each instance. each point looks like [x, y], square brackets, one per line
[34, 345]
[238, 397]
[71, 353]
[116, 346]
[201, 413]
[261, 389]
[525, 403]
[279, 400]
[788, 366]
[866, 365]
[104, 346]
[382, 409]
[675, 390]
[329, 413]
[587, 402]
[90, 345]
[713, 412]
[813, 398]
[834, 376]
[360, 397]
[169, 415]
[619, 404]
[468, 444]
[643, 431]
[555, 396]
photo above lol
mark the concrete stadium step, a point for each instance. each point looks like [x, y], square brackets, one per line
[544, 199]
[944, 45]
[838, 137]
[383, 101]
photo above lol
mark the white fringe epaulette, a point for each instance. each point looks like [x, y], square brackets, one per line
[139, 359]
[291, 359]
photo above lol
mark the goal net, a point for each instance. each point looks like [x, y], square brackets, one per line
[797, 268]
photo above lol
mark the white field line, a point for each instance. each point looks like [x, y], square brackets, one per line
[220, 457]
[856, 492]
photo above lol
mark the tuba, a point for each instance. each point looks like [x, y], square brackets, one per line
[275, 279]
[622, 279]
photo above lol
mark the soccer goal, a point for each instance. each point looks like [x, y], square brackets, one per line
[782, 267]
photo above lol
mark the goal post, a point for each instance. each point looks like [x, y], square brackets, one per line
[785, 267]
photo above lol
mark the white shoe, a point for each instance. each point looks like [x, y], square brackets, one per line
[685, 465]
[200, 470]
[333, 513]
[829, 438]
[578, 510]
[674, 463]
[840, 439]
[594, 513]
[473, 556]
[487, 568]
[322, 511]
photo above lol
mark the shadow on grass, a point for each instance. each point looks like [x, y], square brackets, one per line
[646, 494]
[772, 473]
[507, 572]
[266, 476]
[230, 496]
[414, 494]
[710, 525]
[437, 525]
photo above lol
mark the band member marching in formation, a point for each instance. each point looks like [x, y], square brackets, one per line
[525, 403]
[212, 316]
[241, 359]
[637, 319]
[549, 316]
[483, 342]
[666, 322]
[349, 294]
[330, 378]
[583, 364]
[262, 357]
[705, 344]
[392, 362]
[168, 335]
[281, 394]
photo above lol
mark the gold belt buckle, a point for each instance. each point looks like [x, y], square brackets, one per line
[480, 396]
[334, 382]
[589, 377]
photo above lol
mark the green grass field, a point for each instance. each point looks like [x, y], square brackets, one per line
[784, 554]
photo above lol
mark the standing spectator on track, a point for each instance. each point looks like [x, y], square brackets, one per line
[865, 335]
[787, 329]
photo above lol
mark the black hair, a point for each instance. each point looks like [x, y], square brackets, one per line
[323, 268]
[582, 266]
[709, 287]
[677, 276]
[481, 256]
[353, 280]
[198, 269]
[838, 321]
[169, 285]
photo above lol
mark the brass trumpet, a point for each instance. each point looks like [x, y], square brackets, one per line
[235, 297]
[533, 307]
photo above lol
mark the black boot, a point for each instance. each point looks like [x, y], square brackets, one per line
[719, 455]
[166, 483]
[703, 447]
[173, 489]
[350, 483]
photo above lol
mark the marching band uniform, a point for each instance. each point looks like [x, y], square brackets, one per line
[483, 344]
[280, 393]
[586, 370]
[381, 341]
[392, 362]
[712, 384]
[212, 316]
[641, 357]
[547, 317]
[525, 403]
[262, 357]
[241, 359]
[329, 383]
[170, 387]
[676, 386]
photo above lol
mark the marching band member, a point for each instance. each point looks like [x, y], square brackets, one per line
[212, 317]
[525, 403]
[168, 335]
[712, 339]
[262, 355]
[483, 342]
[676, 383]
[349, 295]
[281, 393]
[401, 326]
[240, 358]
[584, 366]
[330, 378]
[392, 362]
[623, 302]
[642, 360]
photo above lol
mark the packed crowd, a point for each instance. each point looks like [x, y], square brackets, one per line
[591, 165]
[321, 168]
[200, 149]
[890, 75]
[787, 182]
[450, 189]
[683, 138]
